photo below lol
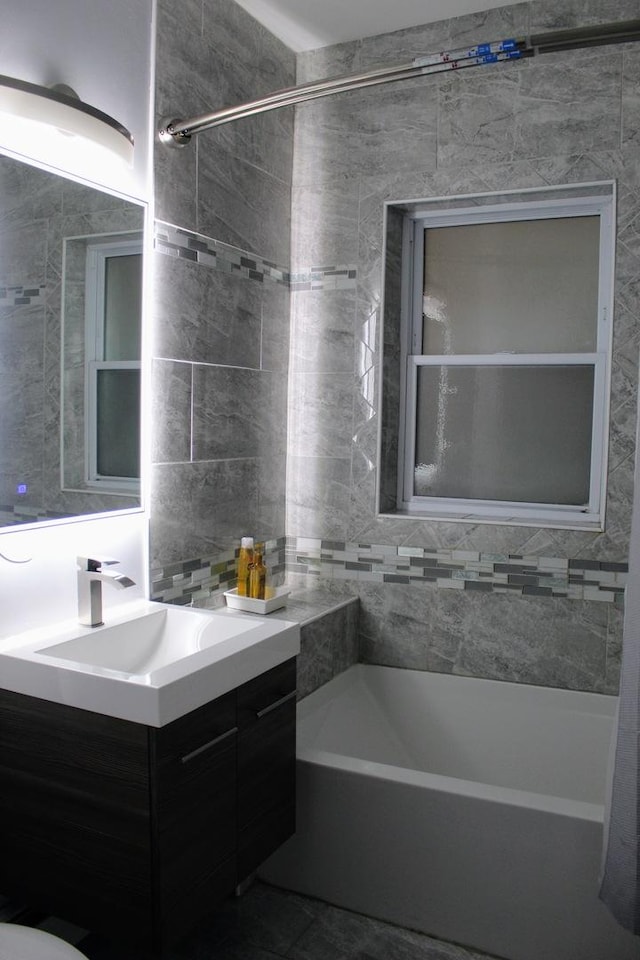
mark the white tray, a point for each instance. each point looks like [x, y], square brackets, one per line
[251, 605]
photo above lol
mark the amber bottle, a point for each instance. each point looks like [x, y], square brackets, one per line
[257, 576]
[245, 559]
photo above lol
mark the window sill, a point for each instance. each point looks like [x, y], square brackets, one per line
[588, 524]
[109, 490]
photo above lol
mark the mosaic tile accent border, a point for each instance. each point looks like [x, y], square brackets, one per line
[176, 242]
[458, 569]
[203, 578]
[20, 296]
[17, 514]
[324, 278]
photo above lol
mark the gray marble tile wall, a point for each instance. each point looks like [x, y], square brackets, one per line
[556, 119]
[328, 645]
[557, 643]
[219, 421]
[221, 303]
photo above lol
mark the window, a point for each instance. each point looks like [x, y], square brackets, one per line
[112, 362]
[504, 359]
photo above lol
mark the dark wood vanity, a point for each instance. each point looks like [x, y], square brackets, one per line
[140, 832]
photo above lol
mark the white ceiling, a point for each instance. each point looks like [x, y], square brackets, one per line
[307, 24]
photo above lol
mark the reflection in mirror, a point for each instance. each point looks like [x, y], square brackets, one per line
[70, 332]
[101, 362]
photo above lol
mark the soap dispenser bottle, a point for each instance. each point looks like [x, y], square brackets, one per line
[257, 577]
[245, 559]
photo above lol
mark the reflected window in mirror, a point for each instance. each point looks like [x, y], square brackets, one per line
[112, 363]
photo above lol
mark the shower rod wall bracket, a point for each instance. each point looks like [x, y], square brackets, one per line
[177, 133]
[169, 136]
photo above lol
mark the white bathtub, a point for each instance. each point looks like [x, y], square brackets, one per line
[468, 809]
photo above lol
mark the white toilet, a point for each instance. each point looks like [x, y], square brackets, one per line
[27, 943]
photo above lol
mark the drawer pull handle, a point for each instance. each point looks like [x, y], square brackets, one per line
[274, 706]
[208, 746]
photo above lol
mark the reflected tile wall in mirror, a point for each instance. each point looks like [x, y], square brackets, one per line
[38, 210]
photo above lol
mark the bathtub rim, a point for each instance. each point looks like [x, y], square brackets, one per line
[561, 806]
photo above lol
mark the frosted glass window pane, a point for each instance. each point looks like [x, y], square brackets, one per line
[118, 417]
[504, 433]
[527, 286]
[123, 307]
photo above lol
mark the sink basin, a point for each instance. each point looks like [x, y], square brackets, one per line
[151, 663]
[148, 642]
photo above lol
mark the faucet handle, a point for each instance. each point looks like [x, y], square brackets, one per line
[94, 565]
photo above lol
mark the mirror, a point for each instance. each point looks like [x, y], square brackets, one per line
[70, 333]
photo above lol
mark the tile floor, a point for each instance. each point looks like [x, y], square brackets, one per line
[271, 924]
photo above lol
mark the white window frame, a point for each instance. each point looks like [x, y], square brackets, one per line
[580, 516]
[98, 252]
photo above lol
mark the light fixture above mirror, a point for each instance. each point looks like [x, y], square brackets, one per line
[52, 123]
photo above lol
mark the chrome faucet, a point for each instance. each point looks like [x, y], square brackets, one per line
[91, 576]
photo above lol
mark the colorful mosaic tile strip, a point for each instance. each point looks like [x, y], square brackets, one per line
[10, 515]
[201, 579]
[20, 296]
[324, 278]
[458, 569]
[176, 242]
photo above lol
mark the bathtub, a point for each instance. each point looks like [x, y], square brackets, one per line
[467, 809]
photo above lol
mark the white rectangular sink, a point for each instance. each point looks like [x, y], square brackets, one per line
[151, 663]
[147, 643]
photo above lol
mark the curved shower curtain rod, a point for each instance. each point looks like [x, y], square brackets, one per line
[177, 133]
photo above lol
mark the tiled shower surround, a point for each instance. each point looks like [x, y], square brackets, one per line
[266, 393]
